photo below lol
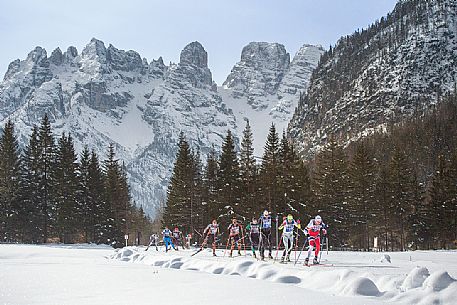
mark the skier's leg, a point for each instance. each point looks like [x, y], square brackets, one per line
[316, 252]
[310, 248]
[262, 244]
[285, 241]
[270, 249]
[291, 240]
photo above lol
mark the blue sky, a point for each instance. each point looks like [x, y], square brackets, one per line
[162, 28]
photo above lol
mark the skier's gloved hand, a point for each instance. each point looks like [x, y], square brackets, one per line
[324, 231]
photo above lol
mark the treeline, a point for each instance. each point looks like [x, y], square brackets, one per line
[235, 183]
[48, 194]
[399, 185]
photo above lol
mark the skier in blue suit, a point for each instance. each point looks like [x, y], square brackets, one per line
[167, 239]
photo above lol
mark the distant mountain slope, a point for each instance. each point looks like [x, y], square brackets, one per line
[398, 66]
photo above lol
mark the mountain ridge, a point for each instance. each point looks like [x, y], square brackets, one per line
[105, 95]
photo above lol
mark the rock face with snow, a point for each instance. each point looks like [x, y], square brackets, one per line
[264, 86]
[398, 67]
[105, 95]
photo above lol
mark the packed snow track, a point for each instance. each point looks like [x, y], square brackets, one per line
[87, 274]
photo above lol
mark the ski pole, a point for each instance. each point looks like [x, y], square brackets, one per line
[244, 242]
[299, 254]
[226, 246]
[277, 250]
[296, 245]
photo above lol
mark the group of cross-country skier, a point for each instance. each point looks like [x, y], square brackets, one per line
[258, 231]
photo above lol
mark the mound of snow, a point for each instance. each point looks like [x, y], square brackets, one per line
[438, 281]
[362, 286]
[385, 258]
[415, 278]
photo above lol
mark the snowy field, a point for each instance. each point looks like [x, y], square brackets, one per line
[83, 274]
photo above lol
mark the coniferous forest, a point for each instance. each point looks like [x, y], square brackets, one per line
[398, 185]
[50, 194]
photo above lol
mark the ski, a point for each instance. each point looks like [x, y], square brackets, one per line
[317, 265]
[196, 252]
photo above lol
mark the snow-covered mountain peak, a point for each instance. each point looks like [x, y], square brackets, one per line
[94, 49]
[193, 67]
[260, 70]
[194, 54]
[264, 86]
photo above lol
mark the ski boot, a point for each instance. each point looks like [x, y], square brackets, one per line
[239, 253]
[306, 262]
[315, 261]
[262, 257]
[270, 256]
[231, 253]
[255, 256]
[214, 254]
[288, 258]
[282, 260]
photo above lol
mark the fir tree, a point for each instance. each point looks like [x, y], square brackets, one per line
[69, 213]
[117, 200]
[32, 214]
[46, 163]
[210, 186]
[10, 186]
[331, 190]
[98, 211]
[401, 192]
[362, 192]
[228, 180]
[248, 174]
[179, 199]
[270, 190]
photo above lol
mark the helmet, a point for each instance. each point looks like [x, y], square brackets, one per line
[176, 229]
[290, 217]
[254, 220]
[265, 213]
[318, 219]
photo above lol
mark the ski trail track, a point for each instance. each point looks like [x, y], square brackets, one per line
[375, 277]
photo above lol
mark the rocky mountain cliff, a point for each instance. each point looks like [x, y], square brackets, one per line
[398, 67]
[264, 86]
[104, 95]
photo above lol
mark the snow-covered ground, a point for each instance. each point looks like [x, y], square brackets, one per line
[83, 274]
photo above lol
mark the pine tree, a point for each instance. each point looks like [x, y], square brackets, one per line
[98, 210]
[210, 186]
[228, 180]
[117, 200]
[270, 189]
[83, 195]
[198, 218]
[32, 214]
[179, 194]
[402, 191]
[362, 193]
[294, 180]
[10, 187]
[248, 174]
[331, 190]
[439, 203]
[65, 190]
[46, 163]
